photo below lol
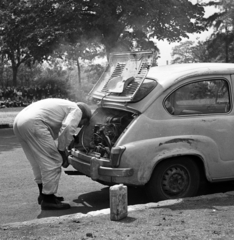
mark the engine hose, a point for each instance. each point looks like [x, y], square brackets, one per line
[82, 139]
[108, 141]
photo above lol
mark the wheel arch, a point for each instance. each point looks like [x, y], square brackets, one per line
[179, 185]
[197, 159]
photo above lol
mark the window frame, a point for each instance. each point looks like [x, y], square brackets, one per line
[195, 81]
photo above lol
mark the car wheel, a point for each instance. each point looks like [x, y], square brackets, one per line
[174, 178]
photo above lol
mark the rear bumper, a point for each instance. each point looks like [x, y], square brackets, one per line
[96, 168]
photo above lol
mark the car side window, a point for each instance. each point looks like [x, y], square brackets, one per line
[202, 97]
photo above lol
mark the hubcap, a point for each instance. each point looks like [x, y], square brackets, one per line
[175, 181]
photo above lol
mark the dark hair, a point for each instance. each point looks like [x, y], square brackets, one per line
[86, 111]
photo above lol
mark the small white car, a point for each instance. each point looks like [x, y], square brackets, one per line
[165, 128]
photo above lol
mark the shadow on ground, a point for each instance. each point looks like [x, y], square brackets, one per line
[94, 201]
[98, 200]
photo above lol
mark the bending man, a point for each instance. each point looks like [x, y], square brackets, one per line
[38, 127]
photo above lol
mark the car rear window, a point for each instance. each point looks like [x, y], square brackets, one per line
[145, 88]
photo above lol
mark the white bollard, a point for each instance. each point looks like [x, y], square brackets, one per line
[118, 202]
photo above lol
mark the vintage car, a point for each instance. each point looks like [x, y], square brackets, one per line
[166, 128]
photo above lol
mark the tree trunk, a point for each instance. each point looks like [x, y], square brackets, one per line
[1, 74]
[226, 50]
[78, 73]
[227, 46]
[14, 73]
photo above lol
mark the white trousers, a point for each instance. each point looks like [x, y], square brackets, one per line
[41, 151]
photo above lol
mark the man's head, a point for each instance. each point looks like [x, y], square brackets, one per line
[86, 112]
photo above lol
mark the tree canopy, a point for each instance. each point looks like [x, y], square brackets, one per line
[121, 24]
[222, 39]
[30, 30]
[191, 51]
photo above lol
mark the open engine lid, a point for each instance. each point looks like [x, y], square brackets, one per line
[123, 76]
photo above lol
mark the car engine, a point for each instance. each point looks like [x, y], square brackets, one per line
[104, 129]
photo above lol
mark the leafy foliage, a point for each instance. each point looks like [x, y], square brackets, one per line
[222, 40]
[190, 51]
[182, 53]
[74, 54]
[121, 23]
[31, 30]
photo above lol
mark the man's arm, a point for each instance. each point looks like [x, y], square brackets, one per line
[64, 155]
[69, 128]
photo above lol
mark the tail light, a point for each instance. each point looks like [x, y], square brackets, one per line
[115, 156]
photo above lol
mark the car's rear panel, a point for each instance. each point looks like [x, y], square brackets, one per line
[94, 152]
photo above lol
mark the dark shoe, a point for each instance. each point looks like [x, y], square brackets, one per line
[40, 198]
[54, 206]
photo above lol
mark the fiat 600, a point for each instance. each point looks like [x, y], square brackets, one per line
[166, 128]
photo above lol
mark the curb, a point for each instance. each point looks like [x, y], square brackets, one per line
[138, 207]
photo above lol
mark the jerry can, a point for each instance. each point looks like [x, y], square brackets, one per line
[118, 202]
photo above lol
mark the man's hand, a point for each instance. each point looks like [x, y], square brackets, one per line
[64, 155]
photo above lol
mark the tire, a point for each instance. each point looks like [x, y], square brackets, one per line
[174, 178]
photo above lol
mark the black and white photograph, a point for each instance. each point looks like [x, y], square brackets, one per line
[116, 119]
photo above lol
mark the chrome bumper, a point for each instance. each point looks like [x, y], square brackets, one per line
[96, 168]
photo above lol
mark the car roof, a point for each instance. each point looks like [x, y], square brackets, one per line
[170, 74]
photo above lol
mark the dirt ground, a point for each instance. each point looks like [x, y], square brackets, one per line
[210, 217]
